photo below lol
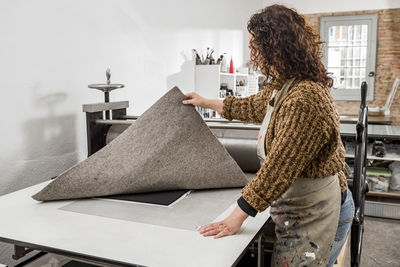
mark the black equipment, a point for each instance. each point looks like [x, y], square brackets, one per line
[360, 185]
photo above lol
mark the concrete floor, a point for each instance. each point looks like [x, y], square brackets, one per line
[381, 245]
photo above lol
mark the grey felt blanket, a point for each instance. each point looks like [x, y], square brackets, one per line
[168, 148]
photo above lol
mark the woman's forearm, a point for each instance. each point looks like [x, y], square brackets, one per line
[215, 104]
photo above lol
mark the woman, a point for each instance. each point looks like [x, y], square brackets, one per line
[299, 145]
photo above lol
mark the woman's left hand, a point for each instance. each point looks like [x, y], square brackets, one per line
[229, 226]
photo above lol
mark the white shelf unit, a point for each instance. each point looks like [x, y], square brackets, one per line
[392, 152]
[380, 204]
[376, 158]
[208, 80]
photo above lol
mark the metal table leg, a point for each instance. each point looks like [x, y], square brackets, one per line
[260, 251]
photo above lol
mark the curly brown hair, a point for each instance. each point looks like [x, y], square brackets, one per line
[283, 46]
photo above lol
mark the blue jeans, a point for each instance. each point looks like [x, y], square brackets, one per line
[345, 220]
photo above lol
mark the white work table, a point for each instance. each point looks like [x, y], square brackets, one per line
[47, 227]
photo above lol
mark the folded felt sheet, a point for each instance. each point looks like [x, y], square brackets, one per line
[168, 148]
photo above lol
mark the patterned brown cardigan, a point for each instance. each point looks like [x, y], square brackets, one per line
[303, 139]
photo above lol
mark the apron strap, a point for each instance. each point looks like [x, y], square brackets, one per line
[264, 126]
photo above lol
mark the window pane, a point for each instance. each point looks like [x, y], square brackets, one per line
[343, 52]
[364, 35]
[335, 57]
[331, 33]
[344, 33]
[356, 83]
[350, 52]
[349, 63]
[357, 31]
[350, 36]
[356, 52]
[363, 52]
[348, 83]
[342, 84]
[347, 52]
[337, 33]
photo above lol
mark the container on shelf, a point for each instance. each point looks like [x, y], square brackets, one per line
[207, 113]
[395, 181]
[224, 63]
[378, 179]
[223, 90]
[241, 90]
[231, 67]
[382, 200]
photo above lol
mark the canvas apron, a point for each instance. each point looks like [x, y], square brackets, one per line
[306, 215]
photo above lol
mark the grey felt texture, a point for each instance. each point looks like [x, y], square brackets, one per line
[198, 208]
[169, 147]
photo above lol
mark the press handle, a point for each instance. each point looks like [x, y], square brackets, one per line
[108, 75]
[364, 88]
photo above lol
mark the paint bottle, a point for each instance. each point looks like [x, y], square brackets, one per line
[223, 63]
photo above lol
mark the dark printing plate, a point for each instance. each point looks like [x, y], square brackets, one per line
[164, 198]
[79, 264]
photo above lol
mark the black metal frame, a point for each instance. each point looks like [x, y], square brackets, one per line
[67, 253]
[97, 132]
[360, 185]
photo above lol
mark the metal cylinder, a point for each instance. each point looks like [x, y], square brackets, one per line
[240, 143]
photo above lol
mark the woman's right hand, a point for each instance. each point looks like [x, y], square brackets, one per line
[195, 100]
[199, 101]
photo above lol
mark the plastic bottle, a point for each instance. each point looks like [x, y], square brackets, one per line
[223, 63]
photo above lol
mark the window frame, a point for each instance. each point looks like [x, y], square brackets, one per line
[370, 66]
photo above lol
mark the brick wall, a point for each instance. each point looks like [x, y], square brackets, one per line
[387, 63]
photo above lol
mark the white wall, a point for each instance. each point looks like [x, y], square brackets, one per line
[50, 50]
[321, 6]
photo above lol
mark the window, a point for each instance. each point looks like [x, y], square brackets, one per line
[349, 53]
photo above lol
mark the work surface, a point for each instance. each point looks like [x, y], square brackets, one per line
[117, 238]
[380, 131]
